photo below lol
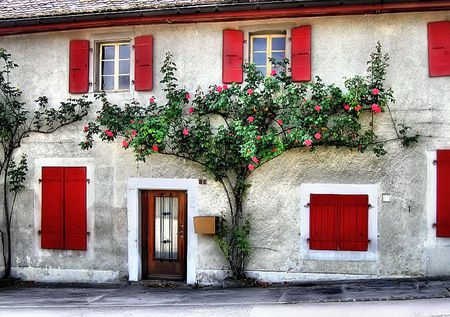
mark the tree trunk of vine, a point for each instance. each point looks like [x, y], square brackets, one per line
[7, 263]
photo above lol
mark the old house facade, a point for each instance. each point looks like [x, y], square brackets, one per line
[120, 46]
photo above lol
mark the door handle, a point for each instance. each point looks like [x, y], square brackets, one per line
[181, 233]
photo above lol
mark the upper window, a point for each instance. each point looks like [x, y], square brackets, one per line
[264, 47]
[114, 66]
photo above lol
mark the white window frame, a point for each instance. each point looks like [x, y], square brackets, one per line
[340, 189]
[116, 65]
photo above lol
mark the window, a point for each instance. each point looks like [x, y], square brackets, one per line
[439, 48]
[63, 208]
[267, 46]
[114, 66]
[338, 222]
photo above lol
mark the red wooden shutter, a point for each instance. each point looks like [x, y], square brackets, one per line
[79, 66]
[439, 48]
[52, 211]
[353, 222]
[75, 222]
[301, 53]
[323, 222]
[143, 63]
[443, 194]
[232, 56]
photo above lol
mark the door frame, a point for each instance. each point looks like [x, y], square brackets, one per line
[134, 189]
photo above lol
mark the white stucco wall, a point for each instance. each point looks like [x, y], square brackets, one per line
[340, 48]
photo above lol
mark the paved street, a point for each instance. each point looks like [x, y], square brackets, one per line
[368, 298]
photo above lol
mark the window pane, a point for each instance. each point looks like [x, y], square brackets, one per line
[263, 70]
[124, 67]
[260, 58]
[278, 43]
[124, 82]
[107, 82]
[260, 44]
[108, 52]
[278, 56]
[108, 68]
[124, 51]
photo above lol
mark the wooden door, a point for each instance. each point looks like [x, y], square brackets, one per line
[164, 234]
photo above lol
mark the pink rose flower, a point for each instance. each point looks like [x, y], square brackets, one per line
[280, 122]
[225, 87]
[155, 148]
[258, 137]
[317, 136]
[251, 119]
[317, 108]
[255, 159]
[109, 133]
[140, 121]
[307, 142]
[133, 132]
[152, 100]
[273, 72]
[187, 96]
[251, 167]
[185, 131]
[289, 131]
[347, 107]
[219, 89]
[191, 110]
[125, 143]
[132, 121]
[250, 91]
[375, 91]
[86, 128]
[358, 108]
[376, 108]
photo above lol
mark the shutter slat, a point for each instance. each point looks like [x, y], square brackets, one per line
[301, 53]
[232, 56]
[323, 222]
[75, 233]
[143, 63]
[79, 66]
[353, 223]
[52, 211]
[439, 48]
[443, 194]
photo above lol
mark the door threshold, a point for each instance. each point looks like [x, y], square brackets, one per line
[154, 283]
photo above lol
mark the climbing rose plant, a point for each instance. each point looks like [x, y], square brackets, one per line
[232, 130]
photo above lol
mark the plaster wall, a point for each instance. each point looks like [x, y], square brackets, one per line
[340, 48]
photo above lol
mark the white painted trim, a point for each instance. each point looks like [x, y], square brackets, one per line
[135, 185]
[368, 189]
[65, 275]
[432, 240]
[90, 173]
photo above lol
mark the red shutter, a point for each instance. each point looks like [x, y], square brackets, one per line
[143, 63]
[232, 56]
[75, 223]
[353, 222]
[443, 194]
[439, 48]
[79, 66]
[301, 53]
[52, 215]
[323, 222]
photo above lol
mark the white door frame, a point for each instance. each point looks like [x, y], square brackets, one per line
[135, 186]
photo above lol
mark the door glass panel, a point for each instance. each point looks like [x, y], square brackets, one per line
[166, 228]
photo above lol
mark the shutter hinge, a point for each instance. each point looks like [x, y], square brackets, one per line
[245, 41]
[307, 205]
[88, 234]
[289, 39]
[90, 83]
[91, 50]
[40, 180]
[368, 241]
[39, 232]
[88, 180]
[132, 81]
[307, 240]
[369, 206]
[434, 162]
[434, 225]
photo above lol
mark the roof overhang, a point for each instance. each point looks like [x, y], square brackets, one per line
[215, 13]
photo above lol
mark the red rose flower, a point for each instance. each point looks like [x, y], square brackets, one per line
[250, 91]
[358, 107]
[187, 96]
[109, 133]
[219, 89]
[280, 122]
[132, 121]
[185, 131]
[125, 143]
[191, 110]
[86, 128]
[273, 72]
[255, 159]
[258, 137]
[251, 119]
[376, 108]
[307, 142]
[317, 136]
[152, 100]
[155, 148]
[133, 132]
[347, 107]
[317, 108]
[251, 167]
[375, 91]
[225, 87]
